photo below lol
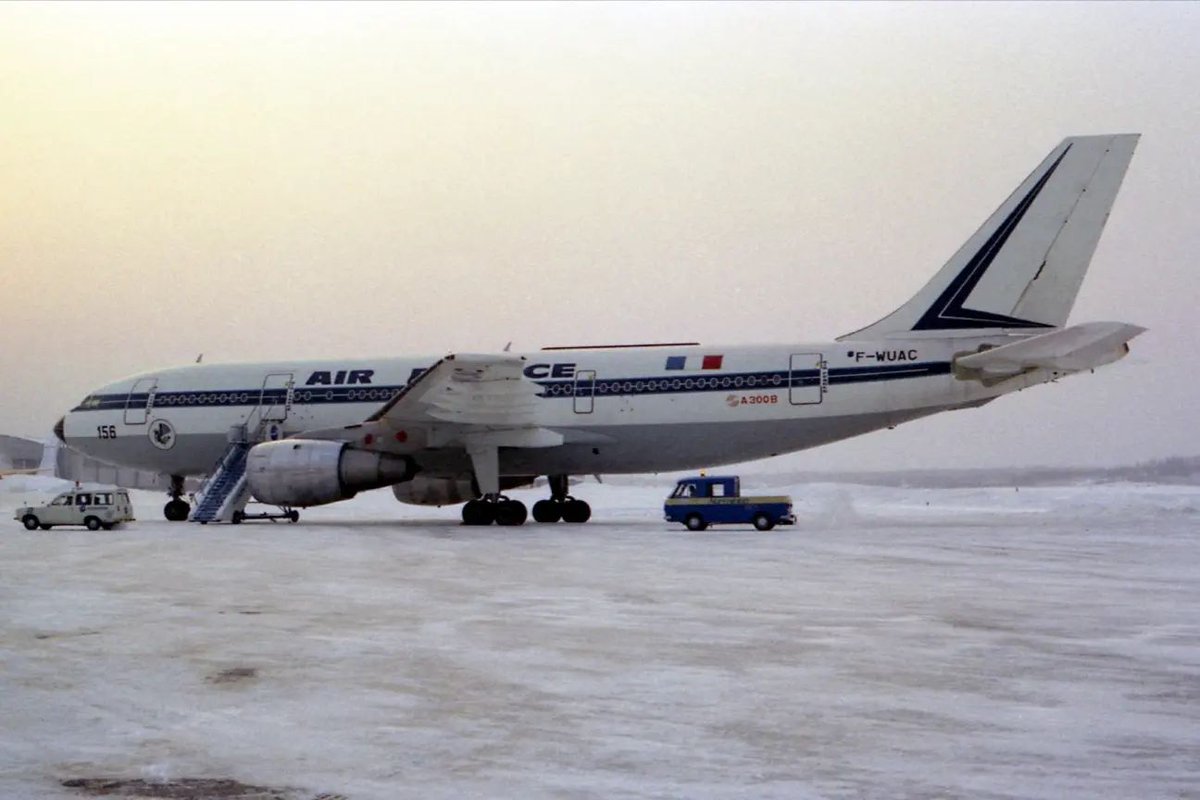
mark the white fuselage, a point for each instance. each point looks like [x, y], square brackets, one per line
[620, 410]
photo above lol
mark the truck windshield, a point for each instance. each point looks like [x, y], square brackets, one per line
[684, 490]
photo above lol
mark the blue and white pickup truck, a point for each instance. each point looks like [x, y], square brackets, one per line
[702, 501]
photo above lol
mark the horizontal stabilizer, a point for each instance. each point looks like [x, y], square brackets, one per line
[1073, 349]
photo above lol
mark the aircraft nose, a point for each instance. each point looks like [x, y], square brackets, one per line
[58, 429]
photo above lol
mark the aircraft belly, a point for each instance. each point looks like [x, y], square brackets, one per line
[681, 446]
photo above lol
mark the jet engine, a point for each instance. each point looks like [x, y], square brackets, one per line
[311, 472]
[426, 491]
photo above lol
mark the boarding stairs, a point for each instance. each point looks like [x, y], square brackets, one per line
[225, 493]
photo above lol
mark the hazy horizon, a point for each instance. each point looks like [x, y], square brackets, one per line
[279, 181]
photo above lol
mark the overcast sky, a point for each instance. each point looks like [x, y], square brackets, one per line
[284, 181]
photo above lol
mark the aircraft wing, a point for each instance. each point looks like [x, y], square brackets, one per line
[467, 389]
[468, 400]
[1073, 349]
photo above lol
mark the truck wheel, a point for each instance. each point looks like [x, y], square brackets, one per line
[695, 522]
[92, 523]
[31, 522]
[763, 522]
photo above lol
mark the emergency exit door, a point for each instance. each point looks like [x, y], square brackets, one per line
[807, 378]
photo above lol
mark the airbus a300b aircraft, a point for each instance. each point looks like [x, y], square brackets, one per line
[465, 427]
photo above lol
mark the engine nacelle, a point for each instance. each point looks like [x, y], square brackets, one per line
[423, 491]
[311, 472]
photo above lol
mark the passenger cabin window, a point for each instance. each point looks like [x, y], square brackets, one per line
[83, 499]
[718, 490]
[102, 499]
[65, 500]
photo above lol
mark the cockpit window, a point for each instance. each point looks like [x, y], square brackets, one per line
[91, 401]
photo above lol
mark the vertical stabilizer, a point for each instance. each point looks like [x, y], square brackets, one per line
[1022, 269]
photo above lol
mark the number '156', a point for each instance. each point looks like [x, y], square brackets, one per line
[106, 431]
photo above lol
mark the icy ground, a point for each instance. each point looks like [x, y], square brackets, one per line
[897, 643]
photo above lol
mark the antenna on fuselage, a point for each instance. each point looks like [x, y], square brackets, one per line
[199, 358]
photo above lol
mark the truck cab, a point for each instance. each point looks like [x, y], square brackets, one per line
[702, 500]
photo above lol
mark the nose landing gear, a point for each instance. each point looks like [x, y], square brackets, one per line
[176, 510]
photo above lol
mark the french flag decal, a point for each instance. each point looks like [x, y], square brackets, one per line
[694, 362]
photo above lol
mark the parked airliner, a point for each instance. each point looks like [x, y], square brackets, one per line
[463, 428]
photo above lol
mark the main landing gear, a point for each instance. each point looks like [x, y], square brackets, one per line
[494, 508]
[501, 510]
[177, 509]
[561, 506]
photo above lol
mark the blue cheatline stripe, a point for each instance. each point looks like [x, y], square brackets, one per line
[741, 381]
[653, 385]
[244, 397]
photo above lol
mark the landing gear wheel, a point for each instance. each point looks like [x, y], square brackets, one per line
[695, 522]
[478, 512]
[293, 516]
[547, 511]
[510, 512]
[176, 510]
[763, 522]
[238, 516]
[31, 522]
[92, 523]
[576, 511]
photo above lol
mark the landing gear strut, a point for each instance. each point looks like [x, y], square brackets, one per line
[176, 509]
[561, 506]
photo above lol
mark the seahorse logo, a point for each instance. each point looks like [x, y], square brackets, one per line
[162, 434]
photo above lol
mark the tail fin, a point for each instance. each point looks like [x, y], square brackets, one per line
[1023, 267]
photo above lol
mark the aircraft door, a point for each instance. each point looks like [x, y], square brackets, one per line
[140, 401]
[275, 403]
[808, 377]
[585, 391]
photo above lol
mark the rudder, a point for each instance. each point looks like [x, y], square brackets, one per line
[1022, 269]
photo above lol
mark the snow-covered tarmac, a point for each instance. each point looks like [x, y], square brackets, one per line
[897, 643]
